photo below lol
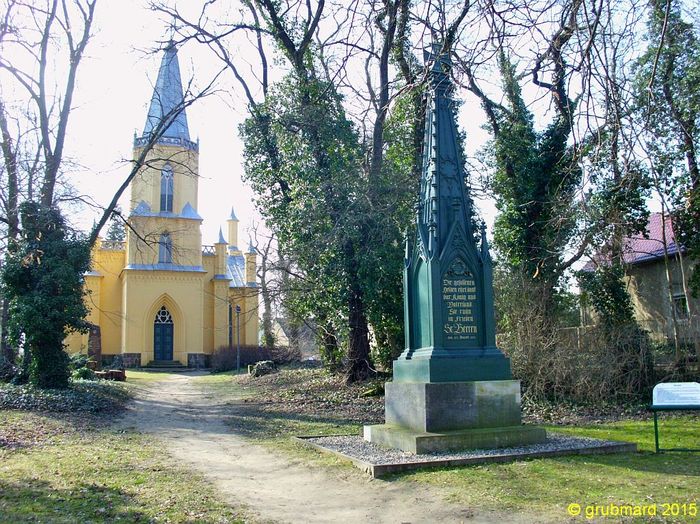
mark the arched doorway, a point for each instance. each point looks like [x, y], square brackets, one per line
[163, 335]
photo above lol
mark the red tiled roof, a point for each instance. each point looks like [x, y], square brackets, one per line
[645, 248]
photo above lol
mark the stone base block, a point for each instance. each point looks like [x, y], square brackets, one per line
[396, 437]
[451, 406]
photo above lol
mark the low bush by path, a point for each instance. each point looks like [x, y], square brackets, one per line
[83, 396]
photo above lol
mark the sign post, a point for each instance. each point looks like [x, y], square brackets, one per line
[238, 338]
[674, 396]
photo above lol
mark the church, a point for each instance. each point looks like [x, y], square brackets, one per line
[161, 297]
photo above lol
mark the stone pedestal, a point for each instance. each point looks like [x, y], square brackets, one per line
[446, 406]
[429, 417]
[95, 345]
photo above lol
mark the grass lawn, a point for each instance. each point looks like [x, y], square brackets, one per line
[548, 486]
[543, 487]
[68, 467]
[144, 378]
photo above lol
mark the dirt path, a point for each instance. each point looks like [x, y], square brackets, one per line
[275, 487]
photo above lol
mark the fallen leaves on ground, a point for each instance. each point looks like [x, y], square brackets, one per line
[317, 392]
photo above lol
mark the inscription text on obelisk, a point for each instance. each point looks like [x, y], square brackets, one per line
[460, 302]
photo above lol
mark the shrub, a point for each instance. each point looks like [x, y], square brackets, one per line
[78, 361]
[100, 396]
[83, 373]
[225, 358]
[581, 364]
[8, 371]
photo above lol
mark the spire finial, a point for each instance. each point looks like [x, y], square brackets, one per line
[222, 240]
[441, 65]
[171, 29]
[233, 214]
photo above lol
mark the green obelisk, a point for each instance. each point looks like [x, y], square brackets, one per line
[452, 386]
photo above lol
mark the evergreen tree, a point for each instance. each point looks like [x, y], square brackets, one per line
[116, 231]
[312, 206]
[534, 184]
[43, 281]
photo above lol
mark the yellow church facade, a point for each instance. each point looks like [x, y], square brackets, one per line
[160, 297]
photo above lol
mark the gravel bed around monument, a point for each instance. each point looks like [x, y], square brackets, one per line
[355, 447]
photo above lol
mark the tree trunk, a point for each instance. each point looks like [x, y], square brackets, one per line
[359, 366]
[7, 351]
[268, 335]
[678, 355]
[330, 346]
[12, 216]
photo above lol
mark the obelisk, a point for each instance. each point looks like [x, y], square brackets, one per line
[452, 387]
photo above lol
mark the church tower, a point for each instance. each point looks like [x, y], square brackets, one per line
[163, 278]
[161, 298]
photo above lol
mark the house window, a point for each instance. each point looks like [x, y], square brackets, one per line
[166, 188]
[165, 249]
[680, 306]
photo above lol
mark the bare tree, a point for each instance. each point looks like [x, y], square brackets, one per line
[33, 37]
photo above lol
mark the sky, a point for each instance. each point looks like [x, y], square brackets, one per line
[113, 91]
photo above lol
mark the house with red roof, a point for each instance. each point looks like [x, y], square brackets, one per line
[657, 275]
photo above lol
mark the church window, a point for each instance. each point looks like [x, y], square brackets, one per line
[163, 316]
[165, 249]
[166, 188]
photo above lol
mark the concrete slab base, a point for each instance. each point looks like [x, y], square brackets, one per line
[373, 462]
[398, 437]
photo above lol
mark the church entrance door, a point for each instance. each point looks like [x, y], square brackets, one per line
[163, 335]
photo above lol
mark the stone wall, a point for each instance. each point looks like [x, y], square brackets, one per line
[126, 360]
[198, 361]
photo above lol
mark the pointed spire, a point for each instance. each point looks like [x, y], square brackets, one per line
[233, 214]
[441, 66]
[485, 255]
[167, 97]
[443, 197]
[222, 240]
[251, 248]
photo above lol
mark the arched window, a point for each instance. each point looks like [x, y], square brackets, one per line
[165, 249]
[163, 316]
[166, 188]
